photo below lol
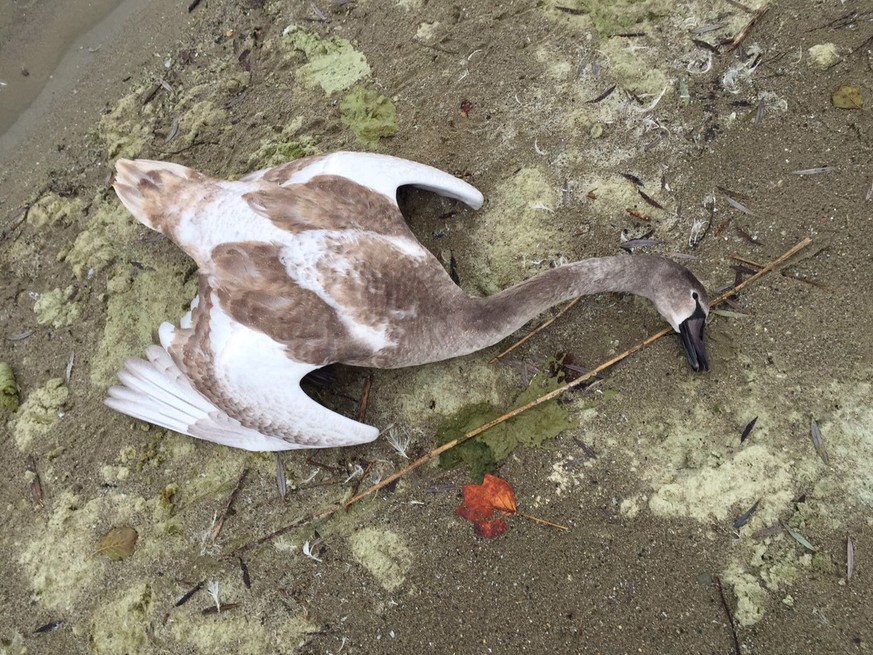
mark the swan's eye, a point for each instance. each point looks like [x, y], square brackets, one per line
[694, 295]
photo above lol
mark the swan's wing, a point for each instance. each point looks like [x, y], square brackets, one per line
[219, 380]
[381, 173]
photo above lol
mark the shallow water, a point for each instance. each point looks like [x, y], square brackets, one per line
[35, 37]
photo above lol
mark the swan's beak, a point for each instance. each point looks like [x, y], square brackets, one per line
[691, 333]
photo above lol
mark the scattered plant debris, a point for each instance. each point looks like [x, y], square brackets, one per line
[748, 429]
[799, 538]
[745, 516]
[818, 442]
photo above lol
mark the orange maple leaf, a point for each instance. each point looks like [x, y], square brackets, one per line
[481, 501]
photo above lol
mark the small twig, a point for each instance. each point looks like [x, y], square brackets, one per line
[299, 523]
[727, 610]
[539, 329]
[365, 399]
[540, 521]
[734, 42]
[217, 529]
[744, 260]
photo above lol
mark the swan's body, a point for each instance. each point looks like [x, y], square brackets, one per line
[311, 263]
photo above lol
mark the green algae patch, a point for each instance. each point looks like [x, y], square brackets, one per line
[127, 127]
[14, 645]
[122, 624]
[54, 211]
[39, 412]
[53, 308]
[610, 17]
[384, 554]
[136, 306]
[632, 70]
[514, 238]
[98, 245]
[59, 556]
[204, 117]
[530, 428]
[369, 114]
[286, 146]
[333, 64]
[8, 388]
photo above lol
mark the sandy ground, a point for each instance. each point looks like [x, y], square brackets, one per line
[512, 96]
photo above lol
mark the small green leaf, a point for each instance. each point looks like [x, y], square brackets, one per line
[799, 538]
[118, 543]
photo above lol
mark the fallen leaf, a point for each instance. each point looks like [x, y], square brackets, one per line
[481, 501]
[847, 97]
[118, 543]
[799, 538]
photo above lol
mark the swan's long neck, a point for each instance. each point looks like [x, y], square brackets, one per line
[488, 320]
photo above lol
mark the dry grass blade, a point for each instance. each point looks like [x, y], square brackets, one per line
[850, 557]
[818, 442]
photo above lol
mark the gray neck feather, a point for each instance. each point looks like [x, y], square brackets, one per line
[488, 320]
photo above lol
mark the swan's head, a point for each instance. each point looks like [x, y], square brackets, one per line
[682, 300]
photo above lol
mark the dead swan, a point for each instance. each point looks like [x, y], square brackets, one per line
[311, 263]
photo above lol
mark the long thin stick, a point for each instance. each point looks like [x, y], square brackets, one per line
[536, 331]
[436, 452]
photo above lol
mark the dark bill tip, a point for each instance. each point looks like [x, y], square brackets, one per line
[691, 333]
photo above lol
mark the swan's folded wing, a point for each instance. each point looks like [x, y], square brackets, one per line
[218, 380]
[381, 173]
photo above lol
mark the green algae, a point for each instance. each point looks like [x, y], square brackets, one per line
[58, 556]
[53, 308]
[9, 400]
[122, 624]
[531, 428]
[127, 127]
[285, 147]
[384, 554]
[39, 412]
[369, 114]
[333, 64]
[610, 17]
[203, 118]
[514, 236]
[98, 245]
[633, 71]
[824, 55]
[54, 211]
[135, 308]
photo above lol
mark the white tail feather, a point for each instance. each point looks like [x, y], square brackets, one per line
[156, 391]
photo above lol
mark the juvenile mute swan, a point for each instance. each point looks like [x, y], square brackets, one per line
[311, 263]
